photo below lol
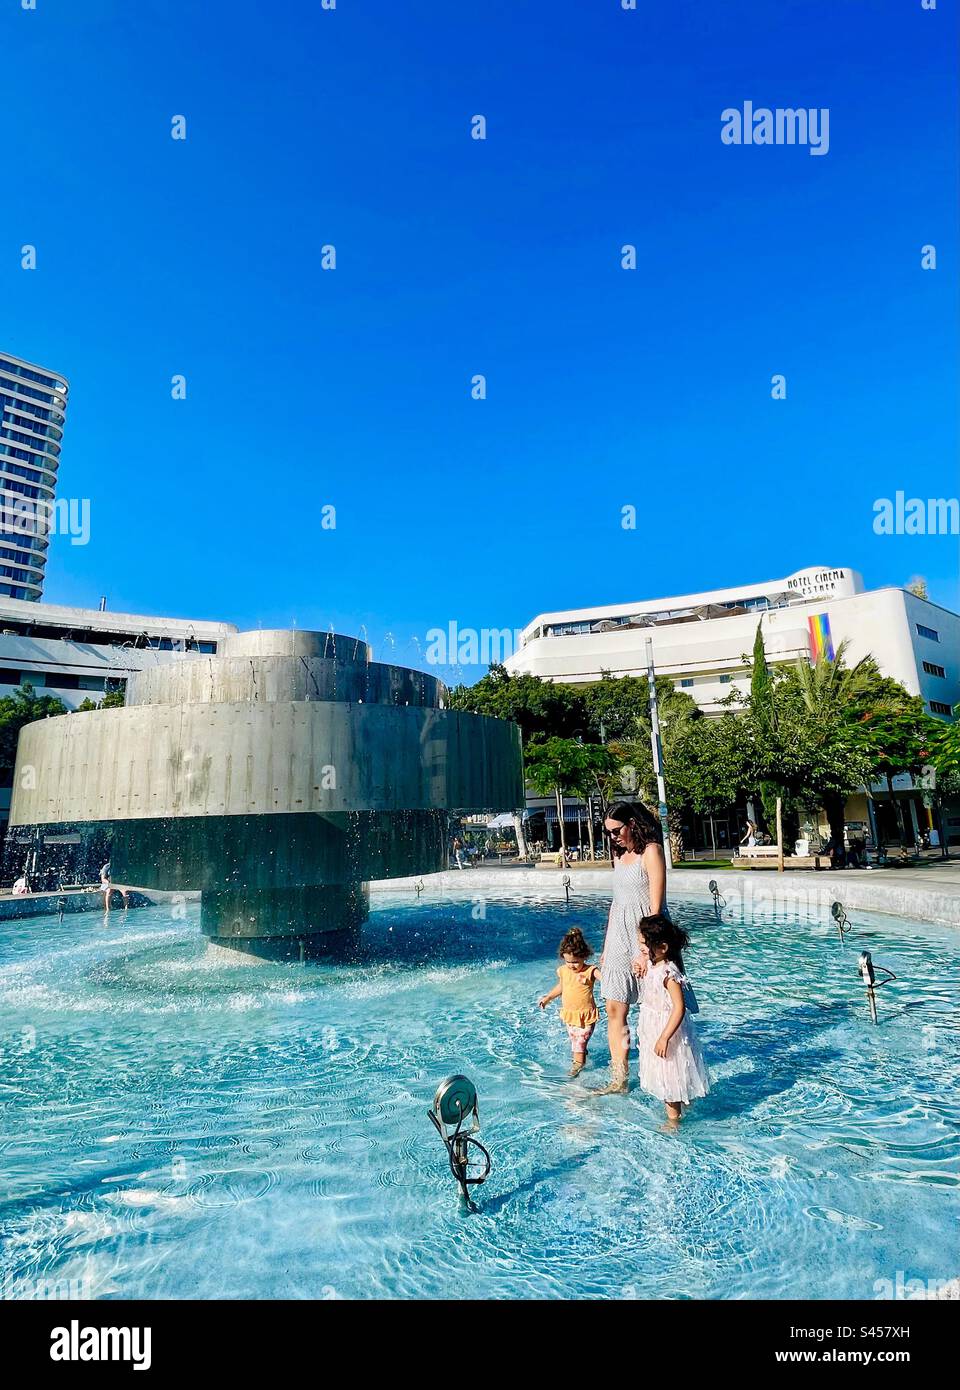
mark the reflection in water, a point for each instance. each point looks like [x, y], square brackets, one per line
[180, 1122]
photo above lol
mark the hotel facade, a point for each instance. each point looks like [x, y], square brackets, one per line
[33, 406]
[701, 641]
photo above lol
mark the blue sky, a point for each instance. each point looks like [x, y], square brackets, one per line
[454, 257]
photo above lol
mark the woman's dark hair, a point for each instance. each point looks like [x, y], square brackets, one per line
[645, 829]
[575, 944]
[658, 931]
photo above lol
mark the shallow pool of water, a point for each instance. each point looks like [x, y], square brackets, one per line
[177, 1125]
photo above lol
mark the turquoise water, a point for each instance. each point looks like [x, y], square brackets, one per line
[174, 1124]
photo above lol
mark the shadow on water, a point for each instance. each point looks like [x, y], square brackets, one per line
[786, 1059]
[494, 1205]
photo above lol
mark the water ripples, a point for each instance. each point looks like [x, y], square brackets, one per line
[175, 1123]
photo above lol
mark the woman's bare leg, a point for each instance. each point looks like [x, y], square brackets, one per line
[618, 1031]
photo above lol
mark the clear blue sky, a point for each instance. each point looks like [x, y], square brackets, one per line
[501, 257]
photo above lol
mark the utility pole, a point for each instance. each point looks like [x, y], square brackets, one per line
[658, 754]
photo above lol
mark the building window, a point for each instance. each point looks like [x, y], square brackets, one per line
[686, 684]
[933, 670]
[939, 707]
[928, 632]
[725, 680]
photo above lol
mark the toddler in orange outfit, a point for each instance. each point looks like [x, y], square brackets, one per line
[574, 989]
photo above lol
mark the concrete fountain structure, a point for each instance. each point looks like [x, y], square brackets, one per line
[278, 777]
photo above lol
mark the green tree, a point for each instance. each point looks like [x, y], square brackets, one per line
[763, 713]
[677, 712]
[113, 699]
[943, 744]
[711, 766]
[23, 707]
[615, 703]
[554, 766]
[538, 706]
[834, 728]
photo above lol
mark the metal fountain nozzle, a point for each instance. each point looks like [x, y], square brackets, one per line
[455, 1108]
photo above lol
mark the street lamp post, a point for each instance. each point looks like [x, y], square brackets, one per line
[658, 754]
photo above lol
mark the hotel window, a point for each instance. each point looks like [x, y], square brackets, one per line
[725, 680]
[939, 707]
[928, 632]
[933, 670]
[685, 685]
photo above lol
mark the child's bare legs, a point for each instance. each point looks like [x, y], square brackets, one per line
[674, 1112]
[579, 1037]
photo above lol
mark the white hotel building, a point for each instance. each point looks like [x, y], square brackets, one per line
[700, 640]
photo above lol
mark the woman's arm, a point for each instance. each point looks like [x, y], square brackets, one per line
[656, 870]
[675, 1019]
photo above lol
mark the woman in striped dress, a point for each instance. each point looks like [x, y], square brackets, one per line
[639, 890]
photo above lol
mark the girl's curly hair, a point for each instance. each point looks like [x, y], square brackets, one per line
[576, 944]
[658, 931]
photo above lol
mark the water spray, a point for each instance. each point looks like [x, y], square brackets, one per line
[719, 901]
[455, 1104]
[867, 972]
[419, 885]
[566, 885]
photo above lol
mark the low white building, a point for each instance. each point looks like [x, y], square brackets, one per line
[701, 642]
[79, 654]
[701, 639]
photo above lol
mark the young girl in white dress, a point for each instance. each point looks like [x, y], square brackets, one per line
[671, 1063]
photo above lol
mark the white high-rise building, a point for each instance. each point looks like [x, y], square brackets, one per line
[33, 404]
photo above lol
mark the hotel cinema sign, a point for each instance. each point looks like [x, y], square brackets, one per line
[820, 583]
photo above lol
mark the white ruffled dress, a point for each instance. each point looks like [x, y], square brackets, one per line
[682, 1075]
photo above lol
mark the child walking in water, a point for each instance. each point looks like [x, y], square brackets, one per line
[574, 987]
[671, 1063]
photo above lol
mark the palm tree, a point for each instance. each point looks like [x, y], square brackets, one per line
[864, 724]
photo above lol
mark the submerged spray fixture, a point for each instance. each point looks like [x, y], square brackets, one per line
[867, 972]
[840, 917]
[566, 885]
[455, 1106]
[719, 901]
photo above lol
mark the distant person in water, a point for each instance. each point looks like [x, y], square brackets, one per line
[106, 887]
[574, 988]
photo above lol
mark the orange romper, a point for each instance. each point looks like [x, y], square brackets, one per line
[577, 1007]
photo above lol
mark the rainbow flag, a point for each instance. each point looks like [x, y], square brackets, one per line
[821, 643]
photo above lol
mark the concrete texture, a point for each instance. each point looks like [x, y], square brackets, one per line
[157, 761]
